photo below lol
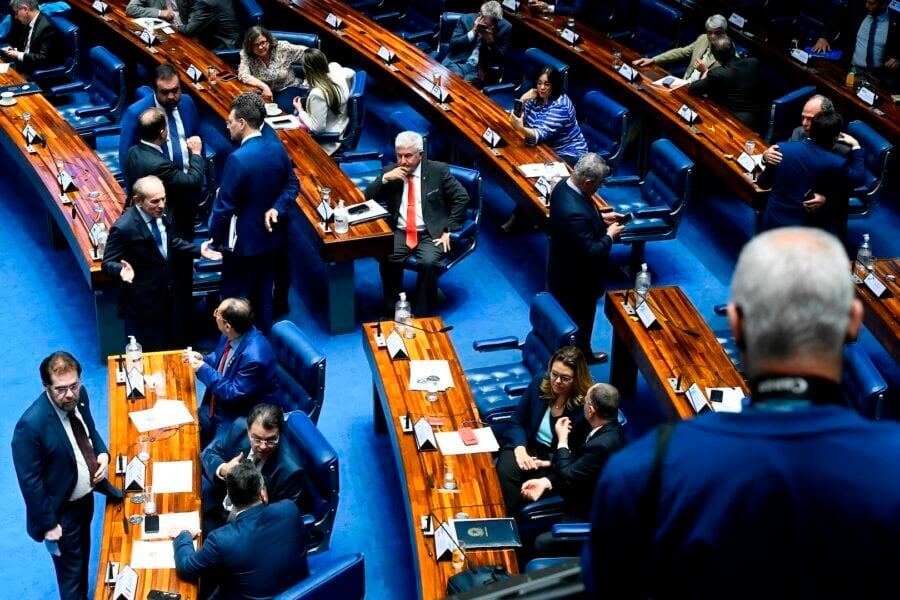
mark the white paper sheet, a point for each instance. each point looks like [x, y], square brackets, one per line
[145, 22]
[159, 417]
[421, 370]
[732, 399]
[451, 444]
[172, 477]
[546, 170]
[153, 555]
[169, 521]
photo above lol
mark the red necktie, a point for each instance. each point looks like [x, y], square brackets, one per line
[412, 236]
[84, 444]
[221, 369]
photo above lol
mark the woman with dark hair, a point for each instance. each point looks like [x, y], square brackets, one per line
[558, 392]
[266, 64]
[329, 88]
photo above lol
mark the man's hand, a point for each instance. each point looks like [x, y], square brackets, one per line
[396, 174]
[224, 468]
[525, 462]
[208, 253]
[611, 217]
[849, 140]
[479, 21]
[771, 155]
[127, 272]
[891, 64]
[193, 359]
[166, 15]
[443, 241]
[487, 34]
[271, 217]
[814, 203]
[12, 54]
[821, 45]
[54, 534]
[174, 532]
[643, 62]
[613, 230]
[563, 427]
[102, 468]
[533, 489]
[194, 144]
[701, 67]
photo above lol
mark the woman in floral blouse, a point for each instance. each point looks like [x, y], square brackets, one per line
[266, 64]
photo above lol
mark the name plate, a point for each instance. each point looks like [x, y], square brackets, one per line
[148, 38]
[543, 187]
[386, 55]
[424, 433]
[628, 73]
[866, 95]
[802, 56]
[126, 584]
[135, 473]
[66, 183]
[874, 284]
[697, 399]
[194, 73]
[100, 7]
[325, 211]
[396, 347]
[687, 114]
[645, 313]
[333, 21]
[737, 20]
[441, 95]
[491, 137]
[570, 36]
[30, 134]
[511, 5]
[747, 163]
[134, 383]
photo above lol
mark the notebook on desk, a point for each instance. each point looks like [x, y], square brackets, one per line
[21, 89]
[487, 533]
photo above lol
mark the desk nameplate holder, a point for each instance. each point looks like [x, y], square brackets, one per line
[335, 23]
[134, 385]
[572, 39]
[396, 347]
[493, 140]
[126, 584]
[120, 370]
[544, 188]
[135, 474]
[195, 75]
[645, 314]
[801, 56]
[31, 136]
[387, 57]
[675, 384]
[689, 116]
[102, 8]
[112, 572]
[630, 74]
[149, 39]
[875, 285]
[866, 95]
[424, 434]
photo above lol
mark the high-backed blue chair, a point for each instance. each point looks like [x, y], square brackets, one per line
[605, 126]
[496, 389]
[568, 532]
[658, 29]
[68, 70]
[301, 369]
[102, 100]
[356, 111]
[320, 461]
[877, 158]
[503, 94]
[448, 24]
[420, 23]
[344, 578]
[658, 201]
[248, 13]
[784, 111]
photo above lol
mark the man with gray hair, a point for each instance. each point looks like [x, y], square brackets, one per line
[698, 52]
[580, 241]
[425, 203]
[815, 105]
[797, 489]
[478, 45]
[35, 40]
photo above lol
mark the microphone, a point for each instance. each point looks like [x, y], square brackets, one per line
[443, 329]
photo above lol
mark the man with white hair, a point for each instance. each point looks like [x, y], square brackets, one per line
[795, 497]
[698, 52]
[479, 43]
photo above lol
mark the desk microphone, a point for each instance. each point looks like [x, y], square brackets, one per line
[443, 329]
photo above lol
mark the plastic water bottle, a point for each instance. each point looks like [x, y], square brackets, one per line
[403, 316]
[641, 286]
[134, 355]
[341, 218]
[864, 257]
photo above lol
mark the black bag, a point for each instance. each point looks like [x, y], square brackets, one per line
[475, 577]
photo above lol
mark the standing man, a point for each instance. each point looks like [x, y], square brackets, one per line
[479, 44]
[143, 251]
[213, 23]
[167, 10]
[698, 55]
[36, 42]
[60, 459]
[425, 203]
[798, 490]
[580, 241]
[815, 105]
[258, 178]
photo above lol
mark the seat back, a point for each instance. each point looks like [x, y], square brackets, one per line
[343, 578]
[69, 32]
[877, 158]
[551, 329]
[320, 461]
[465, 240]
[784, 111]
[605, 127]
[448, 24]
[863, 385]
[108, 83]
[248, 13]
[301, 369]
[668, 183]
[535, 60]
[658, 28]
[310, 40]
[356, 111]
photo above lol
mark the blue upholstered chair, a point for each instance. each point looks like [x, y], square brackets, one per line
[658, 201]
[248, 13]
[496, 389]
[784, 111]
[356, 111]
[570, 532]
[448, 24]
[658, 29]
[301, 369]
[420, 23]
[605, 126]
[503, 94]
[343, 578]
[67, 71]
[320, 461]
[101, 101]
[878, 158]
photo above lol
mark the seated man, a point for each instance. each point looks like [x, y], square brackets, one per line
[698, 54]
[257, 439]
[167, 10]
[478, 45]
[213, 23]
[259, 554]
[238, 375]
[575, 475]
[35, 40]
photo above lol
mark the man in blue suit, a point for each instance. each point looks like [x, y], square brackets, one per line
[60, 459]
[258, 185]
[239, 374]
[259, 554]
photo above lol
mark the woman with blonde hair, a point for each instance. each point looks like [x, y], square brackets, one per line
[329, 89]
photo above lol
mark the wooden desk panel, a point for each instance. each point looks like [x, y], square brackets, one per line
[175, 444]
[882, 315]
[421, 473]
[667, 350]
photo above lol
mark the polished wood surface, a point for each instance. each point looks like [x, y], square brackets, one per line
[421, 473]
[719, 138]
[80, 161]
[469, 112]
[181, 443]
[882, 315]
[681, 343]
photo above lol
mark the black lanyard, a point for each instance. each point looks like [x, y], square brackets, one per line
[790, 391]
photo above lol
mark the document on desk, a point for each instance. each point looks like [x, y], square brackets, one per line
[173, 477]
[451, 444]
[158, 417]
[146, 22]
[168, 521]
[153, 555]
[546, 170]
[422, 374]
[732, 399]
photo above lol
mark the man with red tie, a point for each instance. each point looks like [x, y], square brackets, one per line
[425, 203]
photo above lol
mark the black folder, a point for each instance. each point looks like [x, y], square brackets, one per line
[487, 533]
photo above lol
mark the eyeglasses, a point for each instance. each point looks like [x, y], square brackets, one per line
[260, 43]
[562, 378]
[64, 389]
[269, 443]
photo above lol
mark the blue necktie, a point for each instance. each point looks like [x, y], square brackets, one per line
[157, 236]
[176, 154]
[870, 47]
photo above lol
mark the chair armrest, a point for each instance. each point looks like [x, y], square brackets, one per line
[720, 309]
[467, 230]
[360, 155]
[326, 136]
[309, 521]
[108, 130]
[343, 578]
[619, 35]
[388, 16]
[573, 532]
[547, 507]
[621, 180]
[497, 87]
[93, 111]
[231, 56]
[51, 72]
[419, 36]
[205, 265]
[502, 343]
[653, 212]
[68, 88]
[515, 389]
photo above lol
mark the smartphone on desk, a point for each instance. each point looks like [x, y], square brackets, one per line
[151, 524]
[358, 209]
[518, 108]
[227, 75]
[668, 81]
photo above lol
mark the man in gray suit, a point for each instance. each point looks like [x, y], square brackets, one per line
[698, 53]
[167, 10]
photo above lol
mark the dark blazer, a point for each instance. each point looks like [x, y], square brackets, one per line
[250, 376]
[45, 461]
[530, 411]
[575, 473]
[213, 23]
[285, 477]
[47, 46]
[152, 292]
[258, 176]
[841, 31]
[568, 7]
[259, 555]
[740, 88]
[489, 57]
[579, 246]
[444, 199]
[181, 188]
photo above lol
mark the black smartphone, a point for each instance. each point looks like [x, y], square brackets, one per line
[227, 76]
[715, 395]
[357, 209]
[161, 595]
[668, 81]
[518, 108]
[626, 218]
[151, 524]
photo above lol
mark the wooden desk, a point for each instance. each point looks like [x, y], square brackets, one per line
[667, 350]
[718, 135]
[313, 166]
[175, 444]
[74, 218]
[882, 315]
[421, 473]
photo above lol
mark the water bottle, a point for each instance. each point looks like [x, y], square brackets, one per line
[403, 316]
[134, 355]
[641, 286]
[101, 235]
[864, 257]
[341, 218]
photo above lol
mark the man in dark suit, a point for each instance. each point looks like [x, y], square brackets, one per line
[478, 45]
[213, 23]
[258, 185]
[815, 105]
[143, 250]
[36, 42]
[60, 458]
[259, 554]
[868, 33]
[257, 439]
[580, 241]
[239, 374]
[422, 226]
[575, 475]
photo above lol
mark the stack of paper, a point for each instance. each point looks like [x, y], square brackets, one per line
[172, 477]
[546, 170]
[165, 413]
[428, 375]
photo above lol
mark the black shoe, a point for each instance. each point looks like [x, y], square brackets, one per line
[597, 358]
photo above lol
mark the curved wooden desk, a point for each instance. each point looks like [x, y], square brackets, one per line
[882, 315]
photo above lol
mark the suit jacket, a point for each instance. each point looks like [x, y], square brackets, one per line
[285, 477]
[250, 376]
[567, 7]
[579, 246]
[45, 461]
[530, 412]
[149, 297]
[841, 31]
[444, 199]
[213, 23]
[258, 555]
[798, 135]
[139, 9]
[47, 47]
[575, 473]
[692, 53]
[739, 87]
[258, 176]
[181, 188]
[489, 57]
